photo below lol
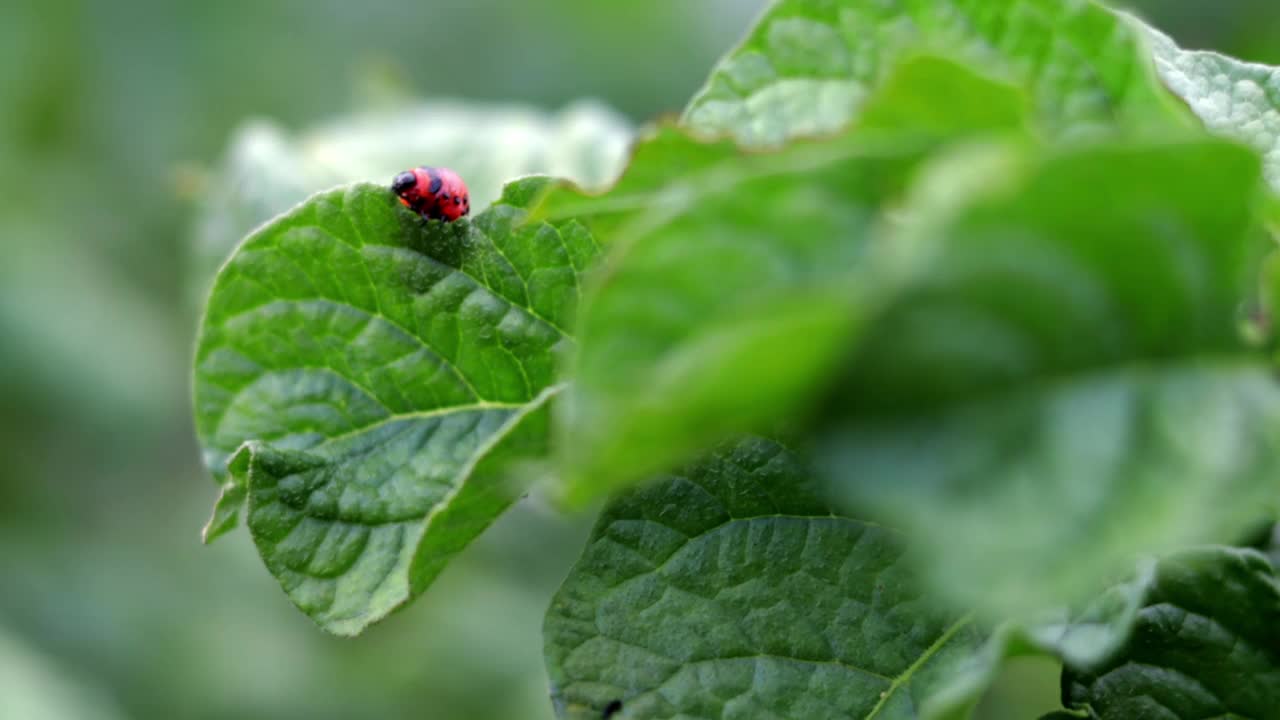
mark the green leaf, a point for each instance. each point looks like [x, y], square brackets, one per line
[713, 289]
[734, 280]
[389, 376]
[1060, 377]
[732, 590]
[267, 170]
[358, 527]
[1235, 99]
[809, 66]
[1207, 644]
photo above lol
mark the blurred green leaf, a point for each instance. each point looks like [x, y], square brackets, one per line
[939, 97]
[78, 338]
[712, 288]
[732, 590]
[267, 171]
[735, 280]
[469, 650]
[1271, 545]
[34, 687]
[1207, 644]
[387, 373]
[1059, 385]
[809, 65]
[1236, 99]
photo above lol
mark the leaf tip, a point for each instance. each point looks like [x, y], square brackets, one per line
[226, 512]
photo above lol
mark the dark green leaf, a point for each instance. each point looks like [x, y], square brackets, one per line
[732, 590]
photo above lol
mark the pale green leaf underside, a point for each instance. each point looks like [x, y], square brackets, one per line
[1206, 645]
[732, 591]
[1062, 379]
[809, 65]
[399, 358]
[1235, 99]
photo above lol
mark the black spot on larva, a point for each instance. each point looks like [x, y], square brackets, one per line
[436, 182]
[611, 709]
[403, 182]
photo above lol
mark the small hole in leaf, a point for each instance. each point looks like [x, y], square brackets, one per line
[611, 709]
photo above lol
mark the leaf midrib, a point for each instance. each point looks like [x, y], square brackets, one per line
[300, 214]
[423, 415]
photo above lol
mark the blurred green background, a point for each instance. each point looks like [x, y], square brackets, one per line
[112, 115]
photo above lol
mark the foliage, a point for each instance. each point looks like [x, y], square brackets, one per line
[695, 586]
[988, 288]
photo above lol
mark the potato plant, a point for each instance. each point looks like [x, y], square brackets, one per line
[933, 333]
